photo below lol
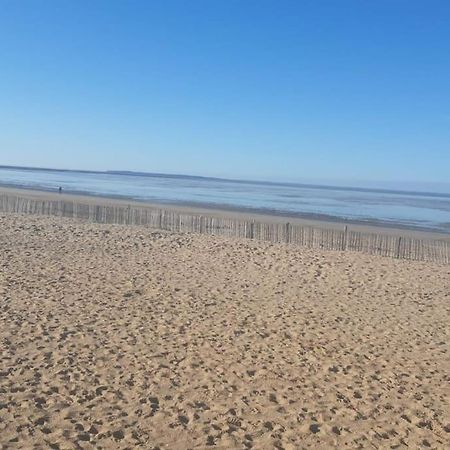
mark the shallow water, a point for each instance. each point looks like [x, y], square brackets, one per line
[415, 210]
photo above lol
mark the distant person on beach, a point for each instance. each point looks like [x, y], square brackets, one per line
[60, 189]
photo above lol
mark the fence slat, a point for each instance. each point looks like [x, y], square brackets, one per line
[400, 247]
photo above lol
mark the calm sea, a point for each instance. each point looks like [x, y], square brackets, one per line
[413, 210]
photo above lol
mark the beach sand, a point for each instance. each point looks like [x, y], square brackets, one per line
[126, 337]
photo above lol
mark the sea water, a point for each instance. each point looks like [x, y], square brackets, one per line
[408, 209]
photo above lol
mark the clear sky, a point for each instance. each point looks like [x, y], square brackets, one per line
[320, 90]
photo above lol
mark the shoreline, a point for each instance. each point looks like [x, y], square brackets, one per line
[270, 217]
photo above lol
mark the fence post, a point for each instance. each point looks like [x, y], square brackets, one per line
[399, 241]
[288, 232]
[344, 244]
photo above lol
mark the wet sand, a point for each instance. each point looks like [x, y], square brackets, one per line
[126, 337]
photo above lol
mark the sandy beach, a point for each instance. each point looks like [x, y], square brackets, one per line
[121, 337]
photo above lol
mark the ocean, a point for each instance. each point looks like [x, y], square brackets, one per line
[416, 210]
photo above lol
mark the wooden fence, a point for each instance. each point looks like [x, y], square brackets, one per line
[402, 247]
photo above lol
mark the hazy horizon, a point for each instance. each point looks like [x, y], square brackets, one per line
[407, 186]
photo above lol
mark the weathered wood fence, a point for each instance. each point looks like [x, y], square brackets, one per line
[313, 237]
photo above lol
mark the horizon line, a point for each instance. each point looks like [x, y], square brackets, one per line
[236, 180]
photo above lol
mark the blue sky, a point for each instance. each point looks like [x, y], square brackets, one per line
[329, 91]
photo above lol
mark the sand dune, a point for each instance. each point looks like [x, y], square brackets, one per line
[125, 337]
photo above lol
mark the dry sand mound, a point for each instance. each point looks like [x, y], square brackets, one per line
[116, 337]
